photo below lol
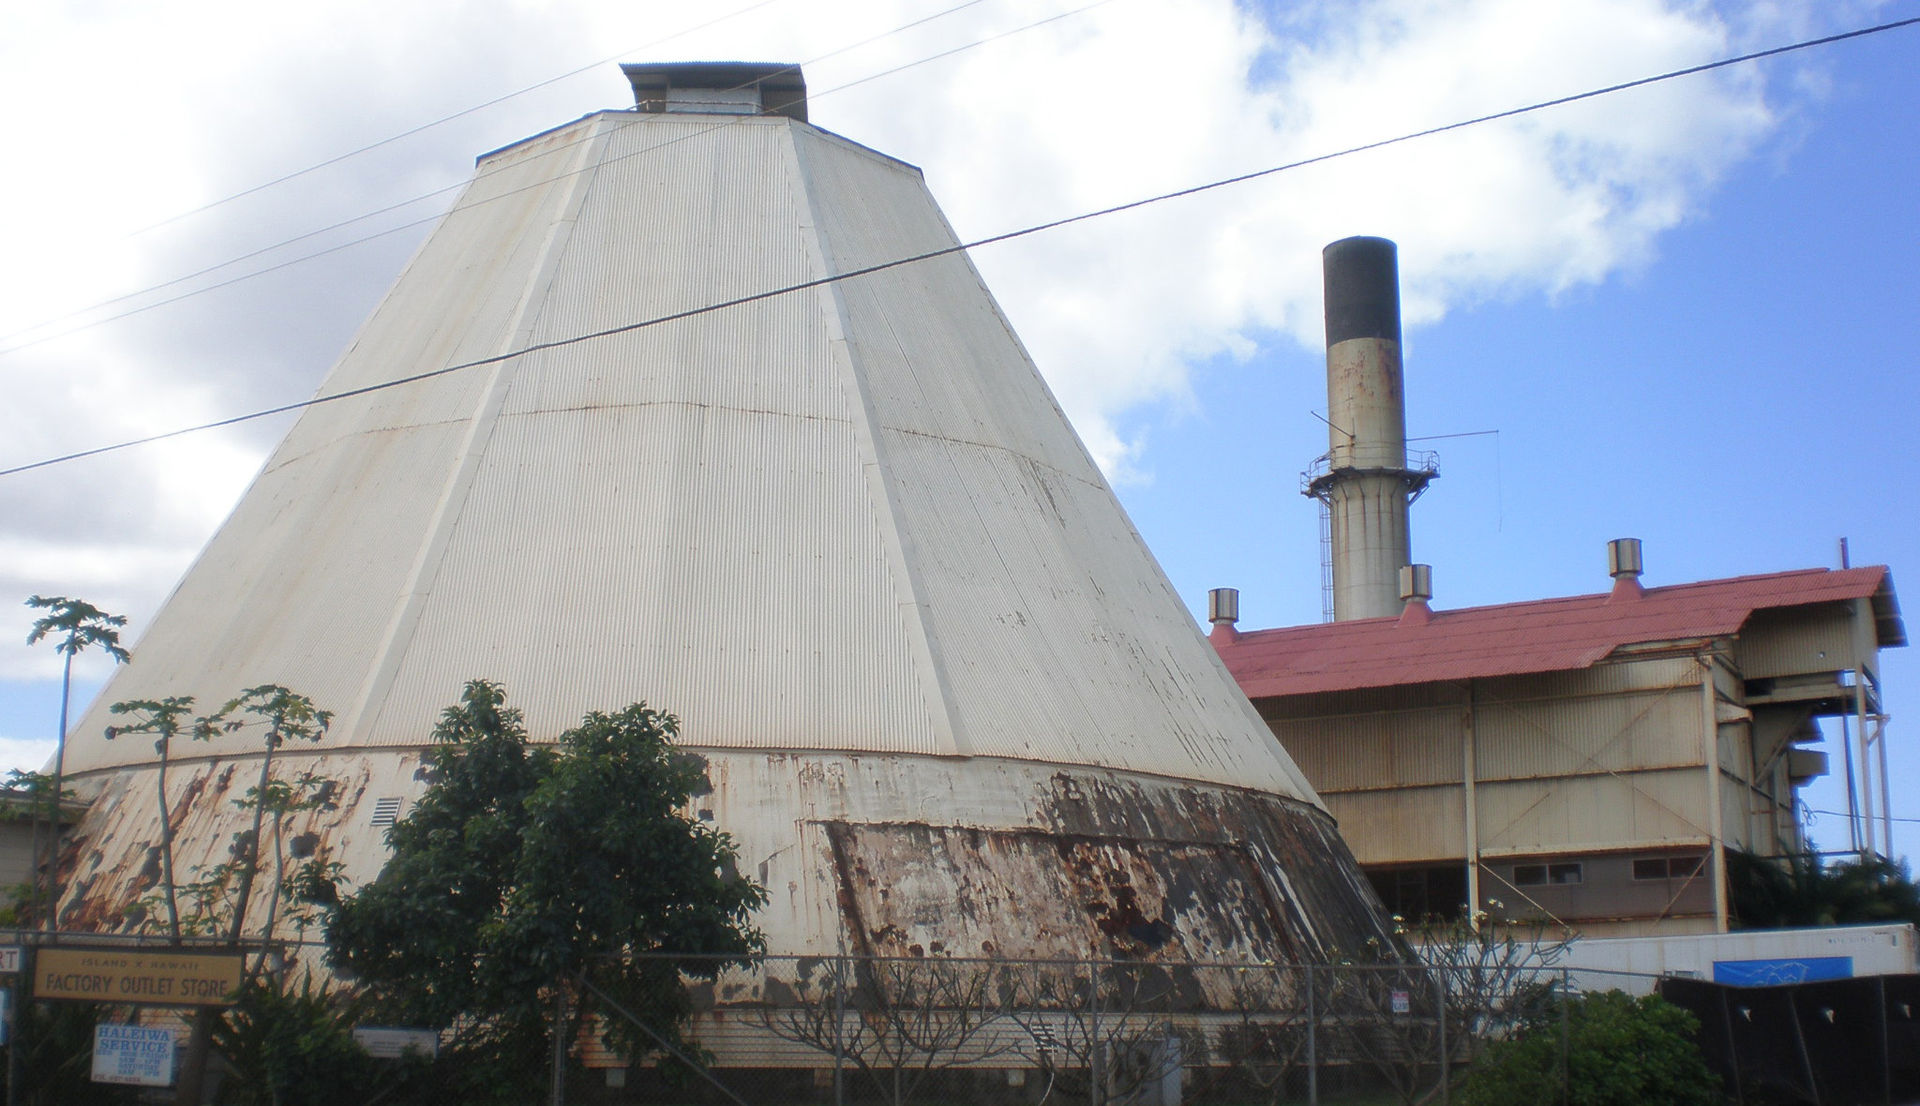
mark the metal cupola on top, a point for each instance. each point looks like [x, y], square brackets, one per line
[946, 697]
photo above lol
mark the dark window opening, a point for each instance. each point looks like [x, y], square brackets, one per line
[1416, 894]
[1667, 867]
[1540, 875]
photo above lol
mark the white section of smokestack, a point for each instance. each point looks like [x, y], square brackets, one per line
[1366, 487]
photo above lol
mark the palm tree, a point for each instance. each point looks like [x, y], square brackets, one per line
[75, 625]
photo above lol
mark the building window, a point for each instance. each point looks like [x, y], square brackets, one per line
[1540, 875]
[1667, 867]
[1416, 894]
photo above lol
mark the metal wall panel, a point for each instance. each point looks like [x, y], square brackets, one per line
[845, 518]
[1052, 629]
[1403, 748]
[1646, 673]
[305, 577]
[1587, 734]
[1541, 816]
[1402, 827]
[1335, 703]
[1796, 640]
[1176, 868]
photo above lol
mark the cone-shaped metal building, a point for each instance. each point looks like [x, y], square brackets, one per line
[947, 698]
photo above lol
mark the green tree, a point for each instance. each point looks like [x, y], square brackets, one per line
[1618, 1051]
[76, 626]
[1804, 891]
[524, 872]
[288, 1046]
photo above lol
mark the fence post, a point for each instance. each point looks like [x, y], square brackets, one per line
[16, 1019]
[840, 968]
[1566, 1040]
[1096, 1047]
[1440, 1022]
[559, 1046]
[1313, 1042]
[1886, 1046]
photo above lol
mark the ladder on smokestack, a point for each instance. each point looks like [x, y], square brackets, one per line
[1326, 559]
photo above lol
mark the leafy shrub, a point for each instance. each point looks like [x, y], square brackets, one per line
[1620, 1051]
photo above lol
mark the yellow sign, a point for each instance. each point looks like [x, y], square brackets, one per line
[154, 978]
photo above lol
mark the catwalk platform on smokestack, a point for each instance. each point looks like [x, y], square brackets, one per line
[1366, 479]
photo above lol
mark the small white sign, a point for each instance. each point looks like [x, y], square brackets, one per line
[133, 1054]
[1402, 1002]
[9, 959]
[393, 1042]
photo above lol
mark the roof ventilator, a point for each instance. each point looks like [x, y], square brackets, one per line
[1223, 610]
[1625, 565]
[1416, 588]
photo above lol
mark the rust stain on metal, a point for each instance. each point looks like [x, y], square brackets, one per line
[1134, 872]
[113, 861]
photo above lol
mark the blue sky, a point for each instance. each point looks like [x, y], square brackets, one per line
[1685, 310]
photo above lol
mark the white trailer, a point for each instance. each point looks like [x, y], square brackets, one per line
[1752, 957]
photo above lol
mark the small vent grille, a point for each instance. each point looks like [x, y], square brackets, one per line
[386, 811]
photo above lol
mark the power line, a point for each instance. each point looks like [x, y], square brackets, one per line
[423, 127]
[930, 255]
[403, 204]
[1875, 818]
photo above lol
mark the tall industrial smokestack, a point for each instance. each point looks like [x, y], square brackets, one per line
[1366, 480]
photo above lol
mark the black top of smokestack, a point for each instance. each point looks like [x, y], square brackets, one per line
[1363, 289]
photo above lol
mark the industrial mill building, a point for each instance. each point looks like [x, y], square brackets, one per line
[1584, 761]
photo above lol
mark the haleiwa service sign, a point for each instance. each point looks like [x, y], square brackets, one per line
[133, 1054]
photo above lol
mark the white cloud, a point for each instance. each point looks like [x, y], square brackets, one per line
[136, 112]
[25, 754]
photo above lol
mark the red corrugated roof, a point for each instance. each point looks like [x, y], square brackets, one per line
[1546, 635]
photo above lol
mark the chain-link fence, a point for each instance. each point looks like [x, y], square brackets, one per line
[862, 1030]
[866, 1031]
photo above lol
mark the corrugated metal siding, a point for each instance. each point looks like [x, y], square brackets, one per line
[1367, 700]
[1800, 640]
[1736, 800]
[1056, 633]
[846, 519]
[1572, 736]
[791, 639]
[1205, 847]
[302, 581]
[1548, 816]
[1401, 749]
[1605, 678]
[1401, 827]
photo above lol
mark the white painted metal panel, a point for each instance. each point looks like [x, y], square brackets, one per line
[848, 518]
[1400, 749]
[1412, 825]
[1634, 964]
[1614, 733]
[1798, 640]
[1551, 817]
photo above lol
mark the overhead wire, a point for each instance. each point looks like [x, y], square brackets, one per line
[458, 185]
[947, 251]
[1874, 818]
[461, 114]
